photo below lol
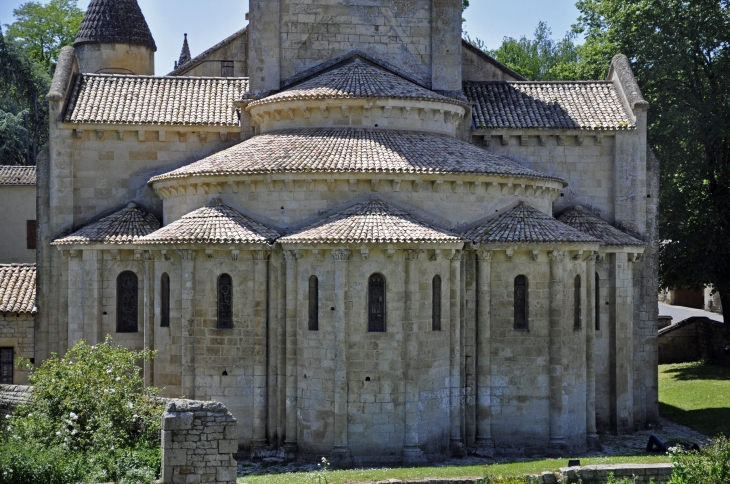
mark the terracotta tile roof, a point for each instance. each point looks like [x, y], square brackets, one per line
[124, 99]
[523, 225]
[373, 221]
[126, 226]
[325, 150]
[17, 288]
[593, 105]
[203, 56]
[357, 78]
[17, 175]
[579, 218]
[114, 21]
[215, 223]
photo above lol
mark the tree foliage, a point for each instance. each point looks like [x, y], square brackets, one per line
[680, 53]
[42, 30]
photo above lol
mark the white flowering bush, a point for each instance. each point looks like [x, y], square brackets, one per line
[92, 402]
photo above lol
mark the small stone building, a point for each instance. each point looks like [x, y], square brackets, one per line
[17, 320]
[18, 219]
[365, 248]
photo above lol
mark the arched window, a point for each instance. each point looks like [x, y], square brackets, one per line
[436, 304]
[225, 302]
[127, 302]
[598, 302]
[520, 302]
[313, 303]
[376, 304]
[165, 301]
[576, 304]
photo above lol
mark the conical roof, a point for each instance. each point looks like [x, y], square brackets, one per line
[114, 22]
[126, 226]
[579, 218]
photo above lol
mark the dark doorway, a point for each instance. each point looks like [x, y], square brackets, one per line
[6, 366]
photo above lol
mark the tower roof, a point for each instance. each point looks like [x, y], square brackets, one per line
[184, 54]
[123, 227]
[114, 22]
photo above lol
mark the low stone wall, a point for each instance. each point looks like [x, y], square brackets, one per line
[599, 474]
[13, 395]
[695, 339]
[198, 440]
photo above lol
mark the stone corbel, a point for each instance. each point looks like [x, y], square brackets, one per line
[269, 185]
[631, 257]
[202, 136]
[164, 192]
[390, 252]
[173, 189]
[353, 184]
[267, 117]
[438, 113]
[318, 255]
[79, 133]
[542, 140]
[345, 110]
[505, 140]
[600, 257]
[165, 255]
[487, 140]
[364, 253]
[437, 184]
[181, 189]
[290, 113]
[233, 185]
[120, 135]
[539, 191]
[561, 140]
[289, 185]
[309, 184]
[209, 254]
[99, 135]
[375, 184]
[530, 191]
[535, 255]
[115, 254]
[277, 114]
[425, 112]
[138, 254]
[508, 189]
[493, 188]
[474, 186]
[305, 112]
[325, 111]
[183, 136]
[205, 187]
[416, 185]
[331, 184]
[161, 136]
[386, 111]
[454, 255]
[579, 140]
[140, 135]
[396, 185]
[578, 255]
[524, 139]
[224, 136]
[435, 256]
[234, 254]
[71, 254]
[510, 254]
[456, 186]
[292, 255]
[520, 190]
[250, 186]
[405, 112]
[599, 139]
[366, 110]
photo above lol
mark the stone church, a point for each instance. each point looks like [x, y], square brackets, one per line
[364, 236]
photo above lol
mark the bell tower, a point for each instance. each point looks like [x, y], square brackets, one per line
[418, 38]
[114, 38]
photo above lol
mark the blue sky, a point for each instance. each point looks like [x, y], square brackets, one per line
[488, 20]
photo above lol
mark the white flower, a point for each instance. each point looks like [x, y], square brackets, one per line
[58, 433]
[74, 432]
[74, 416]
[7, 416]
[130, 405]
[118, 378]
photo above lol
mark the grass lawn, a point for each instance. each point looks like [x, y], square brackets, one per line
[696, 395]
[504, 470]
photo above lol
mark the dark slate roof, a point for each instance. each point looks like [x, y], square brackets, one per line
[524, 225]
[338, 150]
[17, 288]
[126, 226]
[125, 99]
[182, 68]
[356, 78]
[215, 223]
[373, 221]
[184, 53]
[114, 22]
[591, 105]
[17, 175]
[579, 218]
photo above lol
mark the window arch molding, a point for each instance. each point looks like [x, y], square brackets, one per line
[377, 303]
[225, 301]
[521, 303]
[127, 302]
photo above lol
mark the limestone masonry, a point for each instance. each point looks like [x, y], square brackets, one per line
[366, 238]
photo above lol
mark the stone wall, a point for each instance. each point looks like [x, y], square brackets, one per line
[694, 339]
[13, 241]
[599, 474]
[208, 64]
[116, 59]
[18, 332]
[11, 396]
[198, 440]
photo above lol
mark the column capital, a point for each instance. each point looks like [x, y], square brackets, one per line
[484, 255]
[341, 255]
[558, 255]
[291, 255]
[455, 255]
[413, 254]
[187, 254]
[261, 254]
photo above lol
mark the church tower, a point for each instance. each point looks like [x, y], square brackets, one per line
[419, 39]
[114, 38]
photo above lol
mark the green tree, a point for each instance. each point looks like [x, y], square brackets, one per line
[23, 108]
[680, 53]
[42, 30]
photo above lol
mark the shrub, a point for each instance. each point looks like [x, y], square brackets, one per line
[90, 407]
[29, 463]
[709, 466]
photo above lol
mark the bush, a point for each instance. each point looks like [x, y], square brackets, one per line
[29, 463]
[709, 466]
[91, 408]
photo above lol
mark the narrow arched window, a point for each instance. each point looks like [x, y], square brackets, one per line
[598, 302]
[127, 302]
[376, 304]
[520, 302]
[225, 302]
[313, 303]
[436, 304]
[165, 301]
[576, 304]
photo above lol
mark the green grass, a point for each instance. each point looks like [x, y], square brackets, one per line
[504, 470]
[696, 395]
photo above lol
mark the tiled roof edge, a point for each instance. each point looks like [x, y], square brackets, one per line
[307, 73]
[492, 60]
[133, 76]
[198, 59]
[64, 72]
